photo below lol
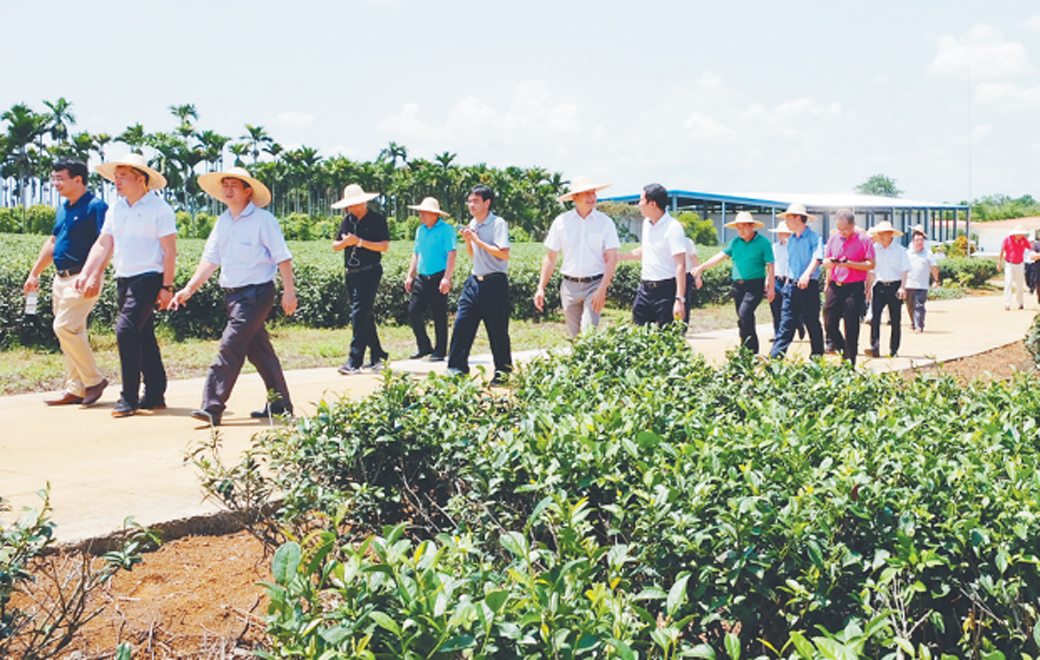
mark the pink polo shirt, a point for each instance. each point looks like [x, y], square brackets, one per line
[857, 247]
[1015, 247]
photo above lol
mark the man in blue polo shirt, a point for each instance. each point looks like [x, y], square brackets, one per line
[76, 226]
[429, 279]
[802, 291]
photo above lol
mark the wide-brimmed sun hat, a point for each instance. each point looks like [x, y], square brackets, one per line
[212, 183]
[156, 181]
[918, 229]
[796, 209]
[430, 205]
[781, 228]
[1019, 230]
[354, 194]
[581, 184]
[883, 226]
[745, 218]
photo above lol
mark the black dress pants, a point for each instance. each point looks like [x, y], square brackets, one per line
[135, 335]
[844, 302]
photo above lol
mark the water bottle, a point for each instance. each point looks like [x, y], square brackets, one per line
[30, 303]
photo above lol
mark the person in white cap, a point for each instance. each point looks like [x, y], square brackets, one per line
[363, 237]
[661, 296]
[429, 279]
[248, 247]
[887, 286]
[802, 292]
[589, 241]
[140, 237]
[752, 274]
[1012, 259]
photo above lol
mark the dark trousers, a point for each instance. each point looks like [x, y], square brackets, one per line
[885, 294]
[776, 307]
[486, 301]
[362, 287]
[245, 337]
[747, 294]
[426, 293]
[135, 335]
[844, 302]
[915, 300]
[654, 303]
[800, 306]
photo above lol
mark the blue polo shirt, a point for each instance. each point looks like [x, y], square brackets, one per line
[76, 227]
[801, 250]
[432, 245]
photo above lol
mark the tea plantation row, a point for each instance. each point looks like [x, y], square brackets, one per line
[628, 500]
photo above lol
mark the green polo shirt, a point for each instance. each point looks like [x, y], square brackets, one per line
[750, 257]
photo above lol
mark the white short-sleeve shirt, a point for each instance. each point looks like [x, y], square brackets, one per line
[248, 248]
[583, 241]
[661, 242]
[920, 268]
[135, 232]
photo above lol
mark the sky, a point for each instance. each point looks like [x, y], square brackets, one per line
[731, 97]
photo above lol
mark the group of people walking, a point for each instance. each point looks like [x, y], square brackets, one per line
[138, 236]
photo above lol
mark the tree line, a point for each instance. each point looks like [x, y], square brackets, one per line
[300, 179]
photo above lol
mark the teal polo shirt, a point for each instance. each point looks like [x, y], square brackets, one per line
[750, 257]
[432, 245]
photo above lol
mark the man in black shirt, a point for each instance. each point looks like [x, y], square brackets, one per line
[363, 236]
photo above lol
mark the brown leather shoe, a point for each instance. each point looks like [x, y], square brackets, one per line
[66, 399]
[93, 393]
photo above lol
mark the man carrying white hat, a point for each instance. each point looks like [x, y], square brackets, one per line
[589, 241]
[1012, 260]
[363, 237]
[802, 291]
[887, 286]
[248, 247]
[140, 237]
[429, 279]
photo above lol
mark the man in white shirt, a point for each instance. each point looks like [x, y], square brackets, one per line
[140, 237]
[887, 286]
[589, 241]
[661, 297]
[248, 247]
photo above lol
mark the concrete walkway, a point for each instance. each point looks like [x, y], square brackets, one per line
[102, 470]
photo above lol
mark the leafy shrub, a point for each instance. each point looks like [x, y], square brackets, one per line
[627, 498]
[972, 272]
[702, 232]
[1032, 340]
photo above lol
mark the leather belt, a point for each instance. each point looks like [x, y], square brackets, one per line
[69, 272]
[237, 289]
[584, 280]
[653, 284]
[481, 278]
[361, 269]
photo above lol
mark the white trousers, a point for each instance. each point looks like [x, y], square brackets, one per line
[1014, 274]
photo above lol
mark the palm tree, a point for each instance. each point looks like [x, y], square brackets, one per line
[60, 119]
[23, 128]
[256, 137]
[213, 144]
[133, 137]
[393, 151]
[239, 150]
[184, 113]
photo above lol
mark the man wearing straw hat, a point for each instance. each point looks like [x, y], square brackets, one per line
[140, 237]
[363, 237]
[802, 291]
[429, 279]
[485, 296]
[589, 241]
[661, 296]
[849, 258]
[247, 245]
[887, 286]
[1012, 260]
[752, 273]
[77, 225]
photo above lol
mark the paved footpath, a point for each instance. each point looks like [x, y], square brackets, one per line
[102, 470]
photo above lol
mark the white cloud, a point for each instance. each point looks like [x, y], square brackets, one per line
[807, 107]
[701, 127]
[384, 3]
[982, 49]
[295, 118]
[980, 133]
[1008, 95]
[1033, 23]
[709, 79]
[754, 111]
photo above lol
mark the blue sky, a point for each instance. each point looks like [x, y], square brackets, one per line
[756, 96]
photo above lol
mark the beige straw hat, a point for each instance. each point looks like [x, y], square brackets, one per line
[796, 209]
[781, 228]
[430, 205]
[211, 182]
[156, 181]
[581, 184]
[744, 218]
[882, 226]
[354, 194]
[919, 229]
[1021, 231]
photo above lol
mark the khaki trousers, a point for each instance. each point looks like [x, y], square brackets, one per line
[70, 325]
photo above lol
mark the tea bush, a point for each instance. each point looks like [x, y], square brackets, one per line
[628, 500]
[971, 272]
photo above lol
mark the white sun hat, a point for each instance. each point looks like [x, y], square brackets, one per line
[354, 194]
[212, 184]
[156, 181]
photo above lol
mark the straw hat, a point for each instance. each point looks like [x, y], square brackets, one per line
[918, 229]
[796, 209]
[744, 218]
[581, 184]
[1020, 231]
[156, 181]
[354, 194]
[430, 205]
[882, 226]
[781, 228]
[212, 184]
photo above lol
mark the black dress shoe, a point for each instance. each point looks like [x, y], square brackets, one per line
[159, 404]
[436, 357]
[270, 411]
[93, 393]
[203, 415]
[377, 364]
[66, 399]
[418, 355]
[123, 409]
